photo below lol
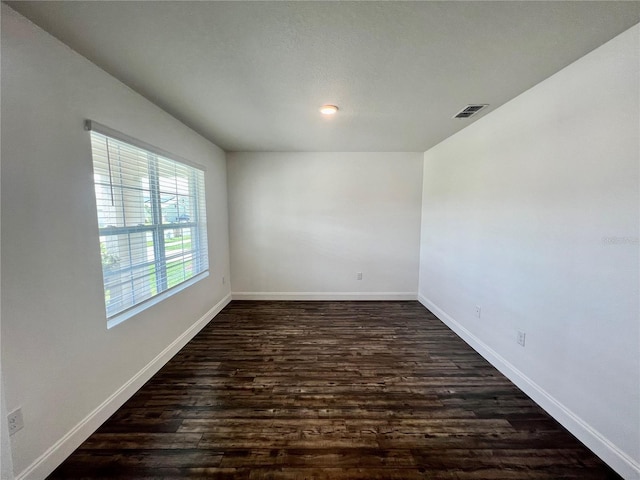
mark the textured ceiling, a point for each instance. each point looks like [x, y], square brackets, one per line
[252, 75]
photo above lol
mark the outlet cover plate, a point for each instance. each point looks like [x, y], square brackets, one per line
[521, 338]
[15, 421]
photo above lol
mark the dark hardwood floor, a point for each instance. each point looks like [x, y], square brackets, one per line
[330, 390]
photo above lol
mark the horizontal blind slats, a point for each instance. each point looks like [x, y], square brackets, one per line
[152, 219]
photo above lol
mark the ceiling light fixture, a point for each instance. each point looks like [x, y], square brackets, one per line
[328, 109]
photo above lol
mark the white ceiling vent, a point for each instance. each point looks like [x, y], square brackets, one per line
[470, 110]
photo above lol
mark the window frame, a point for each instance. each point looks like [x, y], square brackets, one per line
[157, 228]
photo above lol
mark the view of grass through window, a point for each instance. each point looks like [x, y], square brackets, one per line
[151, 216]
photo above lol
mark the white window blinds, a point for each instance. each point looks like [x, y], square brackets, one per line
[151, 218]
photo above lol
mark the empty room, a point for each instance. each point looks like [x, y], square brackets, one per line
[320, 240]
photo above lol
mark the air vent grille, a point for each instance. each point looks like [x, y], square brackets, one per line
[470, 110]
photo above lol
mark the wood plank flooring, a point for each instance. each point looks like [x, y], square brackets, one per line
[330, 390]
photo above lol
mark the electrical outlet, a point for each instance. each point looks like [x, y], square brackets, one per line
[521, 338]
[359, 276]
[223, 279]
[15, 421]
[478, 310]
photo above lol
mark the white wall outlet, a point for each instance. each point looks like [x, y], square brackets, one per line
[521, 338]
[359, 276]
[15, 421]
[478, 311]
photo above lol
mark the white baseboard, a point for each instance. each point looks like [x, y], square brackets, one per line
[324, 295]
[56, 454]
[622, 463]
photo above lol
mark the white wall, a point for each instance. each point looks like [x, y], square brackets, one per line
[302, 224]
[6, 463]
[532, 213]
[59, 361]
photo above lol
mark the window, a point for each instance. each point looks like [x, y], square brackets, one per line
[151, 219]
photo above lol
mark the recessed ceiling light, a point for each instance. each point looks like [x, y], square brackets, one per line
[328, 109]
